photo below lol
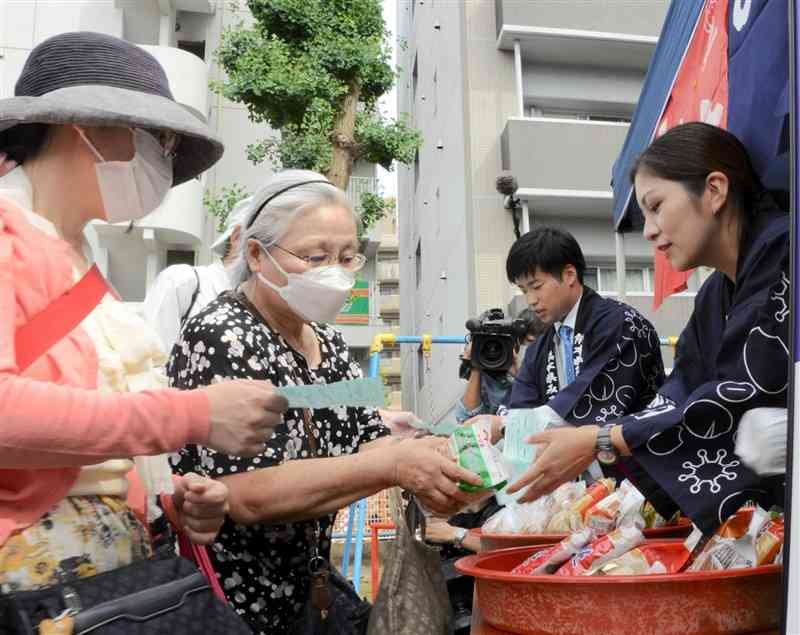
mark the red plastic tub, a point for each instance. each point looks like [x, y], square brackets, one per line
[703, 603]
[491, 542]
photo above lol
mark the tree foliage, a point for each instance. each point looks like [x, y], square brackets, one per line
[314, 70]
[220, 205]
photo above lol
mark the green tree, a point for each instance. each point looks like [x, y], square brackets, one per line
[220, 205]
[374, 207]
[314, 70]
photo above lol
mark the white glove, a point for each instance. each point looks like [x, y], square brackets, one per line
[761, 442]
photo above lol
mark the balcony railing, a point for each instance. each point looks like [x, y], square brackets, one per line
[359, 185]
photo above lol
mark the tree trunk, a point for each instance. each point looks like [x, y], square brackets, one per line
[343, 140]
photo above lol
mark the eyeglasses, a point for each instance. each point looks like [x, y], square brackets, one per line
[351, 262]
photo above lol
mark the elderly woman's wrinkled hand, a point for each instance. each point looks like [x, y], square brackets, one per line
[423, 466]
[244, 414]
[202, 504]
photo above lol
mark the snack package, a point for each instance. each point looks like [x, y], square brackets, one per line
[568, 493]
[618, 509]
[737, 525]
[648, 560]
[652, 519]
[597, 492]
[472, 448]
[548, 560]
[564, 522]
[769, 542]
[732, 547]
[525, 518]
[602, 550]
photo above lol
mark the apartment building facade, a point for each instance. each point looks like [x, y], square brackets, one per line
[544, 89]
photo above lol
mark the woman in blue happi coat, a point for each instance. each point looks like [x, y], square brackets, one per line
[703, 205]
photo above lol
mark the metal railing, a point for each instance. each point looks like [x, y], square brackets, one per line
[358, 185]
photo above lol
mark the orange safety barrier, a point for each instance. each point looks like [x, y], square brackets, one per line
[374, 556]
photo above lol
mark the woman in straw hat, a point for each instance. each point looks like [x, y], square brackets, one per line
[96, 134]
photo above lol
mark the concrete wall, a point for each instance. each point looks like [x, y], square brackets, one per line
[599, 91]
[611, 16]
[434, 209]
[561, 153]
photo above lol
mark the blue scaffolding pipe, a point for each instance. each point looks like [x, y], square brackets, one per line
[357, 511]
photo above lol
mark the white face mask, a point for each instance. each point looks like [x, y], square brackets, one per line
[132, 189]
[316, 295]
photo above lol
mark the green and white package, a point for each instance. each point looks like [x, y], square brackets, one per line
[472, 447]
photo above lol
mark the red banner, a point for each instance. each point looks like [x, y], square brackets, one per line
[700, 93]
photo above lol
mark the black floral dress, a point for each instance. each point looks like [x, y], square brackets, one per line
[263, 568]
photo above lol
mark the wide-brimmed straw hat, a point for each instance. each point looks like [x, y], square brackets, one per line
[93, 79]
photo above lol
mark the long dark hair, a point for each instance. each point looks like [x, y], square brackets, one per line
[690, 152]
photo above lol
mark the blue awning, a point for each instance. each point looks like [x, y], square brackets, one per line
[676, 34]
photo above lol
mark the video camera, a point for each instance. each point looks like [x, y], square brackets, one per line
[494, 339]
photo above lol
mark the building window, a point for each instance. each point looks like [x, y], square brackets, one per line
[180, 257]
[418, 262]
[638, 280]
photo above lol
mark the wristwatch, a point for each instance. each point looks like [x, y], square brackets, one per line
[458, 541]
[606, 452]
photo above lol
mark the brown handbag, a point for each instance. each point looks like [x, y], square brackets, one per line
[412, 597]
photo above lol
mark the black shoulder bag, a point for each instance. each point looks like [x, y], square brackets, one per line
[333, 607]
[165, 594]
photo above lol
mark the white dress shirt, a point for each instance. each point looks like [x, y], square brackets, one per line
[569, 321]
[171, 295]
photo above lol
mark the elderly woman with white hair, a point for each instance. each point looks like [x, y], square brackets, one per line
[299, 256]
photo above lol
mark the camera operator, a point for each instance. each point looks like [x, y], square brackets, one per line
[500, 348]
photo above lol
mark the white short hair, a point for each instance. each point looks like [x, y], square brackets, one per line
[274, 220]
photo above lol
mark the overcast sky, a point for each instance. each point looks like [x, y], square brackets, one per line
[388, 102]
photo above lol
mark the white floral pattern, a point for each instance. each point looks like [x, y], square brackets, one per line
[263, 568]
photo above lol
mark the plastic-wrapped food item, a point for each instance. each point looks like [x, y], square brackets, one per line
[737, 525]
[734, 545]
[597, 492]
[570, 516]
[472, 447]
[548, 560]
[648, 560]
[769, 542]
[652, 519]
[525, 518]
[602, 550]
[619, 509]
[568, 493]
[564, 521]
